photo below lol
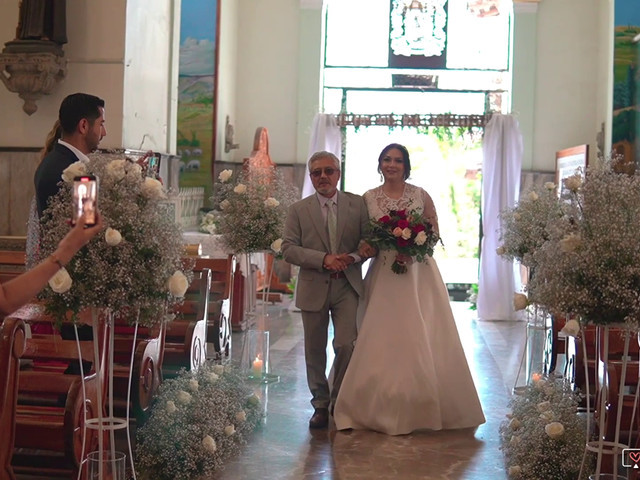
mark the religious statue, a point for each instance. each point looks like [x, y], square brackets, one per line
[43, 20]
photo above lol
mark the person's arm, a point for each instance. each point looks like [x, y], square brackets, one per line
[18, 291]
[292, 249]
[429, 212]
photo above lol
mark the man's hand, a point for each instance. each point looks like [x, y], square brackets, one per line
[336, 263]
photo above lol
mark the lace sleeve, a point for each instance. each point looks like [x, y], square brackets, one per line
[429, 212]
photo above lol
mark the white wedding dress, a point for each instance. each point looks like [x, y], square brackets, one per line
[408, 370]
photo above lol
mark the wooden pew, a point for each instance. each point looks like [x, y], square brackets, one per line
[222, 303]
[12, 257]
[50, 410]
[186, 336]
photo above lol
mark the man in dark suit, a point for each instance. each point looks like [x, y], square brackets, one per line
[81, 120]
[322, 234]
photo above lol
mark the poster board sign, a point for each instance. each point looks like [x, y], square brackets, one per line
[568, 161]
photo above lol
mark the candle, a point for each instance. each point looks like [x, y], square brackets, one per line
[257, 367]
[536, 377]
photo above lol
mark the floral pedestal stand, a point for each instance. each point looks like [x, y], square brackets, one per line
[601, 446]
[533, 360]
[103, 347]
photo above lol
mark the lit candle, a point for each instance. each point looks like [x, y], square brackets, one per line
[257, 367]
[536, 377]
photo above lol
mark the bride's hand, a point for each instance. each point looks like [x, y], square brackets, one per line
[366, 251]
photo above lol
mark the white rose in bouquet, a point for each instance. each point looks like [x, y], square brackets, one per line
[61, 282]
[229, 430]
[276, 245]
[550, 185]
[193, 385]
[520, 301]
[178, 284]
[533, 196]
[573, 183]
[240, 188]
[554, 429]
[406, 233]
[271, 202]
[421, 237]
[241, 416]
[171, 406]
[209, 444]
[571, 328]
[152, 188]
[112, 236]
[116, 169]
[184, 397]
[76, 169]
[225, 175]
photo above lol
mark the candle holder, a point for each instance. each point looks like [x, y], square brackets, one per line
[255, 357]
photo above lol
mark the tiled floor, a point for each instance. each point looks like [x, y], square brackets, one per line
[285, 448]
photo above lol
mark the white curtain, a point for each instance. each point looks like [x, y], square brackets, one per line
[502, 162]
[325, 135]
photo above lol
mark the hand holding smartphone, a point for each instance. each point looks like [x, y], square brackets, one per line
[85, 199]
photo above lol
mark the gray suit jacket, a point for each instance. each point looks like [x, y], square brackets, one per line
[306, 242]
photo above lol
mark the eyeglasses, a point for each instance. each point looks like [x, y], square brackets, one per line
[328, 171]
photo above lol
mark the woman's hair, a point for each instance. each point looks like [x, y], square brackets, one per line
[52, 137]
[405, 158]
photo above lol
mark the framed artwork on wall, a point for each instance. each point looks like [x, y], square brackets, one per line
[197, 92]
[568, 161]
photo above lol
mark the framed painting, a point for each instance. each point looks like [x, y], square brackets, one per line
[568, 161]
[197, 92]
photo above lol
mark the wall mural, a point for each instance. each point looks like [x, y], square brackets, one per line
[625, 121]
[197, 91]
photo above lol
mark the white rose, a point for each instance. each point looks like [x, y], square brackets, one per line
[171, 406]
[76, 169]
[517, 216]
[241, 416]
[515, 440]
[209, 444]
[550, 186]
[514, 424]
[152, 188]
[225, 175]
[421, 237]
[210, 228]
[276, 245]
[229, 430]
[178, 284]
[218, 369]
[501, 250]
[515, 471]
[554, 429]
[543, 406]
[224, 204]
[112, 237]
[406, 233]
[116, 169]
[573, 183]
[212, 377]
[271, 202]
[520, 301]
[193, 385]
[547, 417]
[184, 397]
[61, 281]
[570, 243]
[533, 196]
[240, 188]
[571, 328]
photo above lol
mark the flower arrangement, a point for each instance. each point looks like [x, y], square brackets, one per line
[135, 269]
[209, 222]
[254, 209]
[590, 265]
[543, 438]
[198, 421]
[524, 227]
[405, 232]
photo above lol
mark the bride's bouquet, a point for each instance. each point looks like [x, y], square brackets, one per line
[408, 233]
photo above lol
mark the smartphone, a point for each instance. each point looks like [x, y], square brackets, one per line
[85, 199]
[153, 166]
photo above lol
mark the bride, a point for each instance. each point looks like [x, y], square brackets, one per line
[408, 370]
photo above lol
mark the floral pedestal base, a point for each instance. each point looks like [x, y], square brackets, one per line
[532, 364]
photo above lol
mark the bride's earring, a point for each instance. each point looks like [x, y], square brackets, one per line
[381, 178]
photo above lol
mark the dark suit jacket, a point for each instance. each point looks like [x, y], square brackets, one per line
[49, 173]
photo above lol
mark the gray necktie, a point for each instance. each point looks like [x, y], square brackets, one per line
[332, 225]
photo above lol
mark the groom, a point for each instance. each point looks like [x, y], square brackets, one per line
[321, 235]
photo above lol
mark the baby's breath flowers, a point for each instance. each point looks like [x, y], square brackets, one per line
[187, 440]
[253, 209]
[543, 438]
[136, 266]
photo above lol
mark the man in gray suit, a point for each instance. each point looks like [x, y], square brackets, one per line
[322, 234]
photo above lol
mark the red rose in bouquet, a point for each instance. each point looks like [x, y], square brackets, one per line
[408, 233]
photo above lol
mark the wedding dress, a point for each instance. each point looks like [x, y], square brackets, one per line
[408, 370]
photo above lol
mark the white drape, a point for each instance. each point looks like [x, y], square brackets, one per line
[502, 162]
[325, 135]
